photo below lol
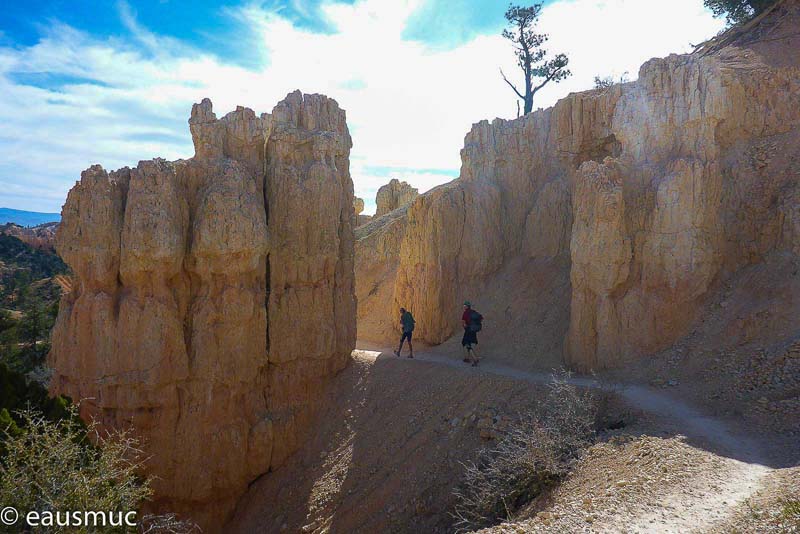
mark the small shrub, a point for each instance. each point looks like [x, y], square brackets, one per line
[53, 466]
[609, 81]
[790, 513]
[535, 453]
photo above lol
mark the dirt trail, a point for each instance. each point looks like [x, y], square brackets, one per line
[699, 503]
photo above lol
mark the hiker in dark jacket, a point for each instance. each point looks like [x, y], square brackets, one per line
[472, 322]
[407, 323]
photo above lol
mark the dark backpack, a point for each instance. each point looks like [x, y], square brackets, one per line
[408, 322]
[475, 321]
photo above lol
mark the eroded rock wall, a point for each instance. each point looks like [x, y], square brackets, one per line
[393, 195]
[512, 201]
[710, 159]
[207, 310]
[378, 245]
[654, 190]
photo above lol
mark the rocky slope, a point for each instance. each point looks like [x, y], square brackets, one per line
[214, 296]
[644, 198]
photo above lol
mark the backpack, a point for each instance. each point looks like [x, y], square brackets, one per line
[475, 321]
[407, 317]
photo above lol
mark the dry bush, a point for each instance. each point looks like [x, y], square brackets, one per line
[535, 453]
[64, 466]
[53, 467]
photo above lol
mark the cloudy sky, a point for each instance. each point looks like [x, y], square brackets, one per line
[84, 81]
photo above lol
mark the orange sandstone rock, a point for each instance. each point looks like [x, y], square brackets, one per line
[647, 194]
[393, 195]
[206, 312]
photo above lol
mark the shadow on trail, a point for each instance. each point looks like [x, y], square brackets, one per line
[385, 452]
[701, 430]
[388, 444]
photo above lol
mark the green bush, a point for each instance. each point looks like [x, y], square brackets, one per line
[17, 394]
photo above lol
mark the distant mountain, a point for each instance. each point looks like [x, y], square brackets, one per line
[27, 218]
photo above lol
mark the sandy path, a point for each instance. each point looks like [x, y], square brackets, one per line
[699, 503]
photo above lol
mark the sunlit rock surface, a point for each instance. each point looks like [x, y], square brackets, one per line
[214, 296]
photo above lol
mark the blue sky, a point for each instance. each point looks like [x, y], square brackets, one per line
[85, 82]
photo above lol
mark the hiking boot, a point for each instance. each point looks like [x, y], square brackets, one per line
[475, 364]
[411, 356]
[466, 360]
[396, 353]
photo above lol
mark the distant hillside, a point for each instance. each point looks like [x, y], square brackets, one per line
[42, 236]
[27, 218]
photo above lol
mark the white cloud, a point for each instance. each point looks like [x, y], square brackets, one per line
[408, 107]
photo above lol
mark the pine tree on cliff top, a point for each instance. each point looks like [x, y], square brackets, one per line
[737, 11]
[531, 57]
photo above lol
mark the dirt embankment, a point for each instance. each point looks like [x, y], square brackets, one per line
[388, 450]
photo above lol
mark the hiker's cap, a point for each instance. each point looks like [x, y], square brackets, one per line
[467, 303]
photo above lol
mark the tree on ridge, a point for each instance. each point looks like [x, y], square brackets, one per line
[737, 11]
[531, 56]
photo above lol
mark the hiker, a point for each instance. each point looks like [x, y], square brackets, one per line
[407, 323]
[472, 322]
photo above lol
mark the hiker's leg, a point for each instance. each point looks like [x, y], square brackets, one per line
[397, 352]
[410, 346]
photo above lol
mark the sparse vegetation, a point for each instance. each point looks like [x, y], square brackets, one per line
[53, 466]
[64, 465]
[608, 81]
[28, 308]
[535, 453]
[28, 303]
[17, 393]
[736, 11]
[790, 511]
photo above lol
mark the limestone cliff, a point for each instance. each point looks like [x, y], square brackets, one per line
[213, 296]
[393, 195]
[645, 195]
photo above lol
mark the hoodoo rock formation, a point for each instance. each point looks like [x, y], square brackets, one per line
[358, 208]
[393, 195]
[620, 210]
[208, 309]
